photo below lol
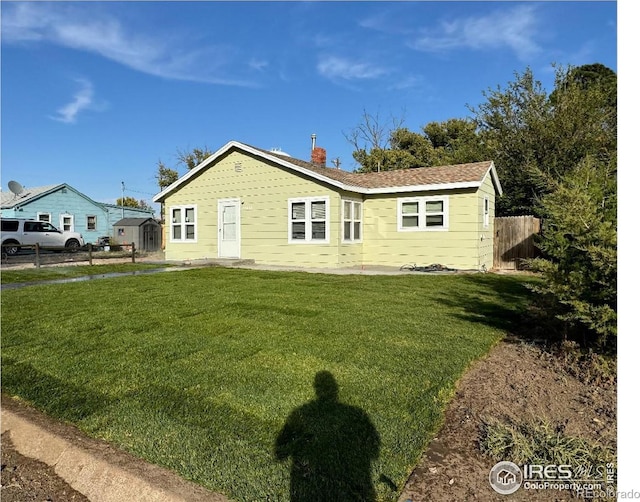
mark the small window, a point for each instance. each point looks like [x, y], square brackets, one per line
[309, 219]
[486, 212]
[410, 214]
[434, 213]
[66, 223]
[44, 217]
[91, 222]
[423, 213]
[351, 221]
[183, 223]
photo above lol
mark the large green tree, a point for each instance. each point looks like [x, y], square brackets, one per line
[534, 138]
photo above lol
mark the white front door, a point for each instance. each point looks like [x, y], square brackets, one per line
[229, 228]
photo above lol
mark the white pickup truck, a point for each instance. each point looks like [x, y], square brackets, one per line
[17, 233]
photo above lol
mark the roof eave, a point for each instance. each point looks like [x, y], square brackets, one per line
[317, 176]
[248, 149]
[492, 171]
[28, 200]
[423, 188]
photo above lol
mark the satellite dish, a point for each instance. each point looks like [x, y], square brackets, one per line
[16, 187]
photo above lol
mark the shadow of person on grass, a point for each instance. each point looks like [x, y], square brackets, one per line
[331, 446]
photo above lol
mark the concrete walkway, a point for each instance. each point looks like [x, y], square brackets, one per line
[94, 468]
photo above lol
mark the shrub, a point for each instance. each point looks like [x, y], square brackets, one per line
[579, 246]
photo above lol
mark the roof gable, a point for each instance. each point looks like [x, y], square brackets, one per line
[469, 175]
[132, 222]
[10, 200]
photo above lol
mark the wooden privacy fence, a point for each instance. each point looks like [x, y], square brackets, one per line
[513, 241]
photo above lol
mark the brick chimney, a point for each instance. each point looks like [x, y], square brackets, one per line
[318, 154]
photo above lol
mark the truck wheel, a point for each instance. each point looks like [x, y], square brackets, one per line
[72, 245]
[10, 247]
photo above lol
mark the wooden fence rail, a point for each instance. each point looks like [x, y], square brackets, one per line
[514, 241]
[47, 255]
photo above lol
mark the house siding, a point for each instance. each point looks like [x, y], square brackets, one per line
[485, 241]
[67, 201]
[264, 188]
[456, 247]
[264, 191]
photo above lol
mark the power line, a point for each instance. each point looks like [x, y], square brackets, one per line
[138, 191]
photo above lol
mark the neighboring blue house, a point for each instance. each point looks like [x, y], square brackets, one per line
[66, 208]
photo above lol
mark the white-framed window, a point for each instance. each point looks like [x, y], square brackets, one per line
[46, 217]
[351, 221]
[485, 213]
[66, 223]
[427, 213]
[309, 220]
[92, 221]
[183, 223]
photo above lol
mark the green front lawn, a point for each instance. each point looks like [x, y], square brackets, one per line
[200, 370]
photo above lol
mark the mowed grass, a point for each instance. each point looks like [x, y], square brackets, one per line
[198, 370]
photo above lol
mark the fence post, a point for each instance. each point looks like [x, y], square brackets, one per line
[133, 252]
[90, 255]
[37, 255]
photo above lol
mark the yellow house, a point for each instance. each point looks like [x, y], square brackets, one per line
[249, 203]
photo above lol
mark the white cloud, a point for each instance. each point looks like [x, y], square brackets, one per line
[82, 100]
[337, 68]
[78, 28]
[514, 28]
[258, 64]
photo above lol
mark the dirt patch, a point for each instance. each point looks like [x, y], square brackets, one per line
[515, 381]
[25, 479]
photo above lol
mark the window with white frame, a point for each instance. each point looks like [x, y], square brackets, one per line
[183, 223]
[309, 219]
[66, 222]
[46, 217]
[351, 221]
[423, 213]
[486, 212]
[91, 222]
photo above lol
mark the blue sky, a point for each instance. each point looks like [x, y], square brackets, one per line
[95, 93]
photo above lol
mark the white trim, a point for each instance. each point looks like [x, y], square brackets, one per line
[423, 188]
[494, 178]
[308, 220]
[71, 227]
[352, 220]
[238, 204]
[486, 211]
[422, 213]
[38, 214]
[183, 223]
[312, 174]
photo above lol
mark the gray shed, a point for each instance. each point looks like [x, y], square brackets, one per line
[145, 233]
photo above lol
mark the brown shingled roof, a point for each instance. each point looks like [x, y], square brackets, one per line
[436, 175]
[402, 180]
